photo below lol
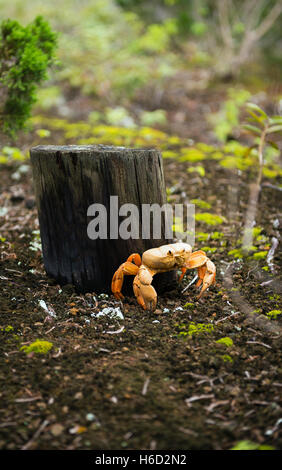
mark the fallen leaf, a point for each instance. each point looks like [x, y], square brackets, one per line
[77, 430]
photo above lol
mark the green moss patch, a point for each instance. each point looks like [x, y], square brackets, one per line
[273, 314]
[189, 305]
[199, 328]
[209, 249]
[260, 255]
[7, 329]
[227, 358]
[249, 445]
[226, 341]
[201, 204]
[192, 155]
[38, 347]
[209, 219]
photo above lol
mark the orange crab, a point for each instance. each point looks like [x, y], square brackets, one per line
[160, 260]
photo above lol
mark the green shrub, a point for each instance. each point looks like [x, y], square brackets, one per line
[25, 55]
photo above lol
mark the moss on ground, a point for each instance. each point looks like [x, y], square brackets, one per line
[38, 347]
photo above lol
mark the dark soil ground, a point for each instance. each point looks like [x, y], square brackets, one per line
[142, 382]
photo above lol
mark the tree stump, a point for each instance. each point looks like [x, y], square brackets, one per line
[68, 180]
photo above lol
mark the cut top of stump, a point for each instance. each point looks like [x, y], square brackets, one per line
[98, 148]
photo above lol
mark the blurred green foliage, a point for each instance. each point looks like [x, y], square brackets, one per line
[226, 120]
[25, 54]
[249, 445]
[103, 49]
[112, 48]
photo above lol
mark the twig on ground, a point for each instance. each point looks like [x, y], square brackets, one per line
[26, 400]
[49, 331]
[116, 332]
[145, 386]
[215, 404]
[271, 253]
[190, 283]
[226, 318]
[36, 435]
[190, 400]
[8, 423]
[205, 378]
[261, 344]
[189, 432]
[58, 353]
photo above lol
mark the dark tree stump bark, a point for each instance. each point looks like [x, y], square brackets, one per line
[69, 179]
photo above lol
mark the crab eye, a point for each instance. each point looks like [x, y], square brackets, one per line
[169, 252]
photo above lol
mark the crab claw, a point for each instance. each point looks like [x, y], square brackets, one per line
[205, 267]
[144, 291]
[206, 276]
[128, 268]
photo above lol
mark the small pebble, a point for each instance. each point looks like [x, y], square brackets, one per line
[57, 429]
[90, 417]
[78, 396]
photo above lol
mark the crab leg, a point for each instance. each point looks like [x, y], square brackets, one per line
[126, 268]
[183, 271]
[201, 274]
[136, 258]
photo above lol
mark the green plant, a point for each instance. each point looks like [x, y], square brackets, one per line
[156, 38]
[260, 126]
[151, 118]
[25, 55]
[119, 117]
[227, 118]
